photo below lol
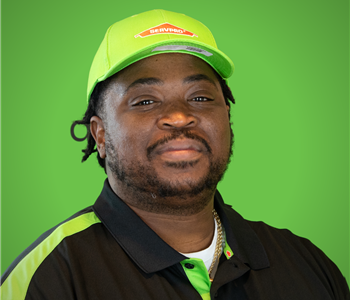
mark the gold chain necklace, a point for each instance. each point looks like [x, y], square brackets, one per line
[219, 242]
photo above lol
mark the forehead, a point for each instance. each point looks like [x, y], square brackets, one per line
[166, 66]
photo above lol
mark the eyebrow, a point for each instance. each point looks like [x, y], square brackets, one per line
[198, 77]
[145, 81]
[157, 81]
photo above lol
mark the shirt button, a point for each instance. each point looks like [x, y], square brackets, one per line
[189, 266]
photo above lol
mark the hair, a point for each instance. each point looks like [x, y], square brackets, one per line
[96, 108]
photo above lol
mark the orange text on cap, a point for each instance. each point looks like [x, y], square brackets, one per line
[165, 28]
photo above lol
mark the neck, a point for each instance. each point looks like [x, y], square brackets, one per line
[185, 222]
[184, 233]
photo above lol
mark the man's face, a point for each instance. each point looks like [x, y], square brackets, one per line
[167, 129]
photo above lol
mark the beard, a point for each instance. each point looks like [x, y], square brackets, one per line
[151, 193]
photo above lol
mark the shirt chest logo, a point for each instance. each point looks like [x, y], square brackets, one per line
[165, 28]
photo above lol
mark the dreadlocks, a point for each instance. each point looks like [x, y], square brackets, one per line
[96, 108]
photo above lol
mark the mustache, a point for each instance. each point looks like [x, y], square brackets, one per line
[184, 133]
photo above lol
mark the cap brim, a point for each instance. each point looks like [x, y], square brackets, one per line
[219, 61]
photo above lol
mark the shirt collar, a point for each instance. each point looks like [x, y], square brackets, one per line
[151, 253]
[242, 239]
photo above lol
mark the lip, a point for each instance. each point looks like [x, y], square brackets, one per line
[183, 149]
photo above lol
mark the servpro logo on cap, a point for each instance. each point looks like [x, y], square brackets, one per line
[165, 28]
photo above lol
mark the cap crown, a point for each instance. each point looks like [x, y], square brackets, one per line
[150, 33]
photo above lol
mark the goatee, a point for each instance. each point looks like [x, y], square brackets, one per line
[151, 193]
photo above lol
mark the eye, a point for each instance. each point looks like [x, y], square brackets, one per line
[144, 102]
[201, 99]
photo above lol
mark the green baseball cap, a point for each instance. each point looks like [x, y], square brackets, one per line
[150, 33]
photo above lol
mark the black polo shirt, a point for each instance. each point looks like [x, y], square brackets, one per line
[107, 252]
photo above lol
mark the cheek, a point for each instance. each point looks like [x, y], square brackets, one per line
[128, 139]
[223, 140]
[220, 131]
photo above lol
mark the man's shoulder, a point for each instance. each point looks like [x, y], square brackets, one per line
[271, 236]
[267, 232]
[263, 229]
[284, 245]
[32, 257]
[276, 242]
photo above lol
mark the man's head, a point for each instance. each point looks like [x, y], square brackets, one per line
[161, 124]
[165, 126]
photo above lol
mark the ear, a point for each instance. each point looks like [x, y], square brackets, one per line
[97, 130]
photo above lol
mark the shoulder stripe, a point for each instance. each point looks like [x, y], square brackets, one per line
[16, 284]
[42, 237]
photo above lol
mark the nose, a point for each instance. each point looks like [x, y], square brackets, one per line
[176, 116]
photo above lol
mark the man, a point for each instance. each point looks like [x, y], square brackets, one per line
[159, 118]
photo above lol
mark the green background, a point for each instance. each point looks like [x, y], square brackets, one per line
[291, 121]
